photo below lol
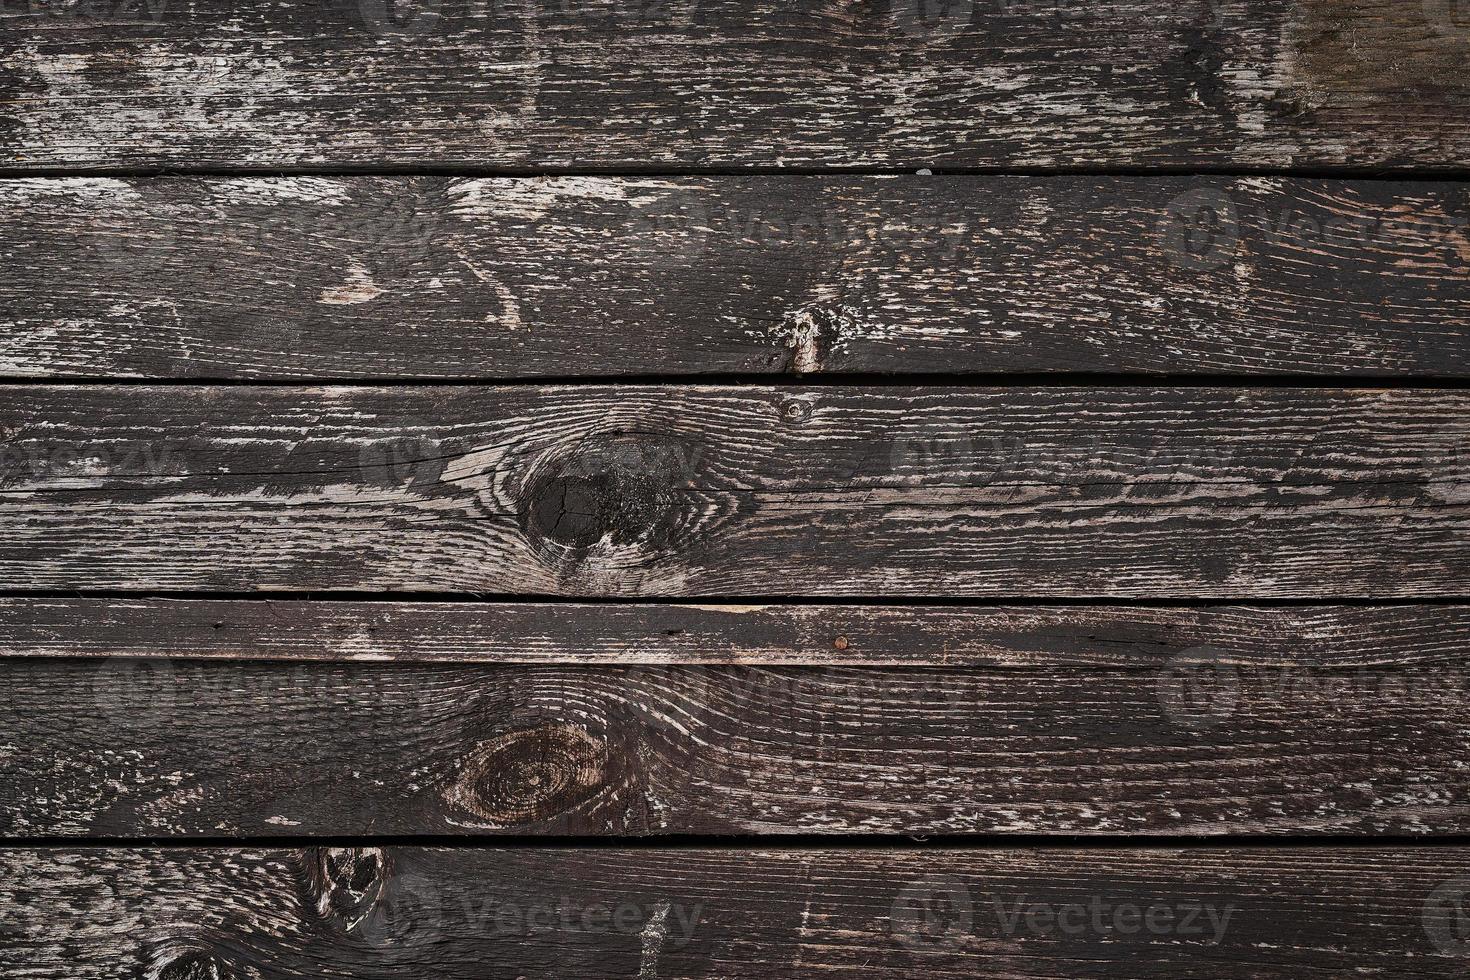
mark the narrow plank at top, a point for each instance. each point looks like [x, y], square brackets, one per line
[725, 83]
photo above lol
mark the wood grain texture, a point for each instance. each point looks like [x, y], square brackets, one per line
[730, 83]
[767, 915]
[164, 748]
[1141, 637]
[338, 278]
[724, 491]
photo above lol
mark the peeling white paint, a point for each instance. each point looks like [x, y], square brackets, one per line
[359, 288]
[101, 190]
[531, 199]
[653, 936]
[282, 190]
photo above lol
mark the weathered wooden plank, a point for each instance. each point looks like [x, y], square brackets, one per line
[851, 913]
[322, 278]
[647, 490]
[1144, 637]
[731, 83]
[156, 748]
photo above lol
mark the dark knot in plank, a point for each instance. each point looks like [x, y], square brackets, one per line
[363, 892]
[532, 775]
[346, 881]
[810, 335]
[617, 488]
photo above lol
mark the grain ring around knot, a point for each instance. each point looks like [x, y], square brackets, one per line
[531, 775]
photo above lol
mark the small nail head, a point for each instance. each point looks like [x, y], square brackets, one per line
[796, 410]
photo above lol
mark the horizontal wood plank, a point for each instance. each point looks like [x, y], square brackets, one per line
[568, 914]
[158, 748]
[339, 278]
[730, 83]
[726, 491]
[1141, 637]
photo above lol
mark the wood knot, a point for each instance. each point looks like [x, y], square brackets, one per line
[612, 489]
[347, 881]
[812, 335]
[794, 409]
[531, 775]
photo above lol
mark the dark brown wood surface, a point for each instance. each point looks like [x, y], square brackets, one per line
[429, 277]
[796, 634]
[383, 463]
[731, 83]
[638, 490]
[118, 747]
[369, 912]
